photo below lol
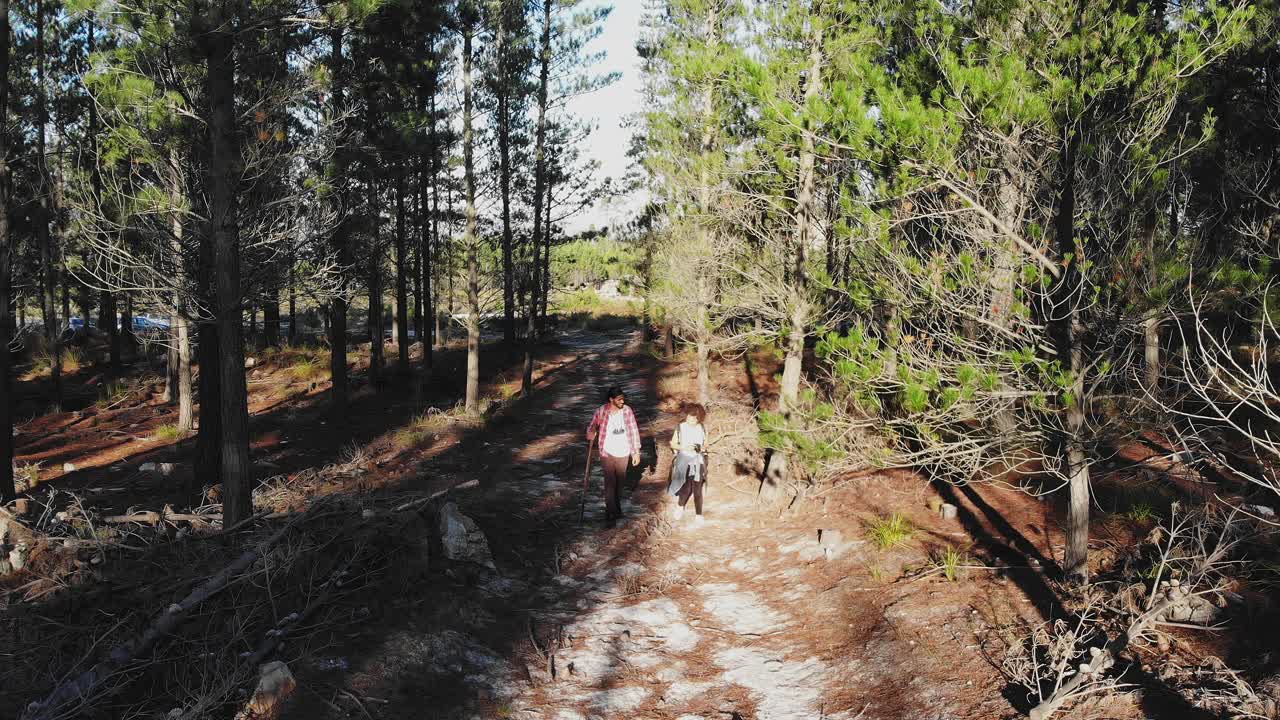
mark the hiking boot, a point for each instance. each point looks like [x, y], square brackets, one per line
[699, 520]
[677, 512]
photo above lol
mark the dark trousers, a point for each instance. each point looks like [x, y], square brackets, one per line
[615, 471]
[691, 488]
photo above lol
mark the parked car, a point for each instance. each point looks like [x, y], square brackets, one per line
[150, 325]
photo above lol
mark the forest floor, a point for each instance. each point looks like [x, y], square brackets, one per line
[768, 610]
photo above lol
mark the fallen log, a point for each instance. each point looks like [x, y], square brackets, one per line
[153, 517]
[83, 687]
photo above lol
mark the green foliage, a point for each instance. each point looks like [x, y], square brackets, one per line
[889, 532]
[593, 261]
[1142, 513]
[799, 440]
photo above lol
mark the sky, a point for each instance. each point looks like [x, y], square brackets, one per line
[609, 108]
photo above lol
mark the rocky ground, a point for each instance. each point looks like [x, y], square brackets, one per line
[760, 612]
[769, 610]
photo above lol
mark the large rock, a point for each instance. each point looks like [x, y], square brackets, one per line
[275, 684]
[462, 539]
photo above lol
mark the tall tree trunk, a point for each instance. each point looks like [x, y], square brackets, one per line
[376, 345]
[798, 293]
[106, 300]
[271, 308]
[7, 489]
[547, 230]
[224, 170]
[48, 253]
[539, 188]
[1067, 338]
[338, 305]
[704, 369]
[450, 296]
[293, 303]
[471, 239]
[402, 265]
[128, 340]
[504, 177]
[109, 317]
[1151, 323]
[706, 144]
[419, 228]
[179, 329]
[433, 247]
[170, 396]
[208, 467]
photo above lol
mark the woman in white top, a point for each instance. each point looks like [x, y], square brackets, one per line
[688, 468]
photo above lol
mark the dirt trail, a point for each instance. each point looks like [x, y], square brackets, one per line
[750, 615]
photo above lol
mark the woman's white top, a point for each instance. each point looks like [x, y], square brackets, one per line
[616, 443]
[689, 435]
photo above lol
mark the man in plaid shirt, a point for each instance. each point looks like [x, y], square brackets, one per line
[613, 428]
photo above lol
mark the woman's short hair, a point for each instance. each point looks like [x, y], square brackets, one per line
[694, 409]
[613, 392]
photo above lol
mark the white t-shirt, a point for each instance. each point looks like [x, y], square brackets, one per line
[616, 442]
[690, 435]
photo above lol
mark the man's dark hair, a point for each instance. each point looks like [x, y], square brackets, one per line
[614, 392]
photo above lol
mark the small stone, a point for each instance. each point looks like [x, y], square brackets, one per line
[68, 467]
[1260, 510]
[174, 609]
[935, 504]
[147, 467]
[166, 469]
[368, 514]
[949, 511]
[5, 567]
[18, 557]
[250, 362]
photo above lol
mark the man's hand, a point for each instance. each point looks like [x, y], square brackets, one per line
[635, 458]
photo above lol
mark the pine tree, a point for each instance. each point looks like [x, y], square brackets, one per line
[7, 489]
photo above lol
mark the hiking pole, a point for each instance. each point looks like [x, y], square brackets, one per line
[586, 478]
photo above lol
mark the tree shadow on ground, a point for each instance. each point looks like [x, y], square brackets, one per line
[402, 601]
[1006, 544]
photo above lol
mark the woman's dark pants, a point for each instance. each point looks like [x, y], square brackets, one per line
[693, 488]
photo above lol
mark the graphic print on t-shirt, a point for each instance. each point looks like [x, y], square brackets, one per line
[616, 443]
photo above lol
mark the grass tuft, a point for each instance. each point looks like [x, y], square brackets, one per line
[42, 362]
[949, 561]
[113, 392]
[890, 532]
[1142, 513]
[309, 370]
[169, 432]
[25, 475]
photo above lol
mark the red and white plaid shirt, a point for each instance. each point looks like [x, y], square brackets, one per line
[600, 422]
